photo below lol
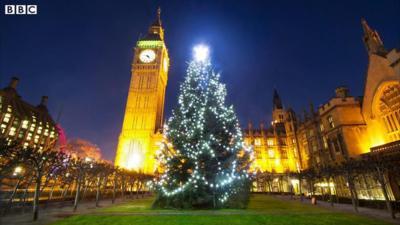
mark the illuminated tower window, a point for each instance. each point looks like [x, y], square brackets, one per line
[25, 124]
[7, 117]
[12, 131]
[271, 153]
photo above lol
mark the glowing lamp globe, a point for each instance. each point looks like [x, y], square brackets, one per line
[201, 53]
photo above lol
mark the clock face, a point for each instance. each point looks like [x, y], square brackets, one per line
[147, 56]
[165, 65]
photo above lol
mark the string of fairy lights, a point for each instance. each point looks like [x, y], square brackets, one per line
[201, 102]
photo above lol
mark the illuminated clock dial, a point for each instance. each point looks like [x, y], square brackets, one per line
[165, 65]
[147, 56]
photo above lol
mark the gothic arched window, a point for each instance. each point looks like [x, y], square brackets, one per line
[389, 110]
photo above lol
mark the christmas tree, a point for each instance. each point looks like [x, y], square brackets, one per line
[205, 162]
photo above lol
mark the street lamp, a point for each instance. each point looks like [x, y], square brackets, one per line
[17, 171]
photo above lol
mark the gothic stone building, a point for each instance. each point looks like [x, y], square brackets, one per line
[31, 126]
[344, 127]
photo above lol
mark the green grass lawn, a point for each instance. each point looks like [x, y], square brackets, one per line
[262, 210]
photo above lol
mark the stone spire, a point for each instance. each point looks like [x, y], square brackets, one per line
[156, 32]
[157, 22]
[276, 100]
[372, 40]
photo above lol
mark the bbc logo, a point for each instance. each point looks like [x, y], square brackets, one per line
[20, 9]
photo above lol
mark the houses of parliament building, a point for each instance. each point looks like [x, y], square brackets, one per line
[344, 127]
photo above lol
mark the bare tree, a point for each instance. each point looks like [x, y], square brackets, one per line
[379, 166]
[10, 156]
[350, 168]
[81, 166]
[43, 162]
[102, 171]
[328, 171]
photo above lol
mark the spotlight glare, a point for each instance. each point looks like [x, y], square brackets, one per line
[201, 53]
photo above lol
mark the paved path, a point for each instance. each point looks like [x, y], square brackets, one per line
[51, 214]
[379, 214]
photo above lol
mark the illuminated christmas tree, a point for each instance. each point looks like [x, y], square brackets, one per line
[205, 161]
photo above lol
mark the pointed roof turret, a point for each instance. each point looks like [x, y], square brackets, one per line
[372, 40]
[276, 100]
[156, 32]
[157, 22]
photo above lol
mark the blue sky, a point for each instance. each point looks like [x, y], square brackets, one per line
[79, 53]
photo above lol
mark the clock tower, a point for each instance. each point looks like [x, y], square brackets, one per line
[143, 120]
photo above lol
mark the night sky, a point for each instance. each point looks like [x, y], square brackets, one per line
[79, 53]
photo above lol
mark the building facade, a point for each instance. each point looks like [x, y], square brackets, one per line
[143, 119]
[273, 151]
[345, 127]
[29, 125]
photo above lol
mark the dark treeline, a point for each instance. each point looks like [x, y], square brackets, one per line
[377, 166]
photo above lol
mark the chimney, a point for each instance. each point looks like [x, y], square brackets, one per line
[262, 126]
[312, 109]
[14, 82]
[342, 92]
[250, 127]
[44, 100]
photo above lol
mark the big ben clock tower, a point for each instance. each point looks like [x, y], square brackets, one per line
[143, 120]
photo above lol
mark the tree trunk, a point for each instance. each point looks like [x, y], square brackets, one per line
[77, 194]
[137, 189]
[382, 182]
[353, 193]
[132, 183]
[123, 187]
[322, 190]
[366, 186]
[330, 191]
[71, 193]
[45, 183]
[36, 196]
[105, 184]
[26, 193]
[270, 186]
[290, 187]
[65, 191]
[311, 187]
[98, 191]
[300, 190]
[114, 189]
[143, 191]
[85, 187]
[52, 191]
[9, 205]
[214, 202]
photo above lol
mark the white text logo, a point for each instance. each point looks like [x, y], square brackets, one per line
[20, 9]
